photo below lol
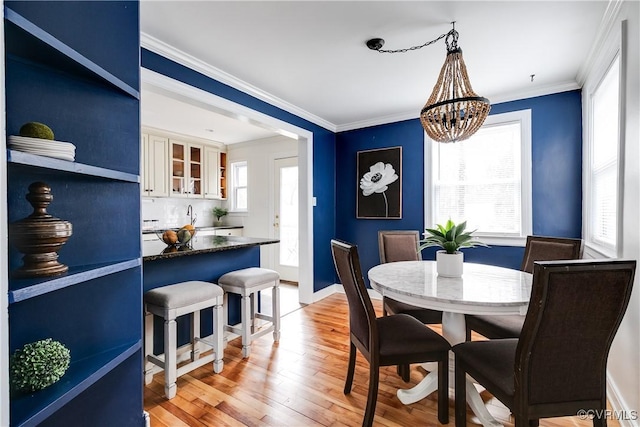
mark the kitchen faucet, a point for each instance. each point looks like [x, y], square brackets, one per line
[192, 216]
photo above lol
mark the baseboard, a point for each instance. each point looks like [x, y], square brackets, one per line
[619, 409]
[337, 288]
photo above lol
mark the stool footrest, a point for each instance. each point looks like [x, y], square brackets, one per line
[263, 317]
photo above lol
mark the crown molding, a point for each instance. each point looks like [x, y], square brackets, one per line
[495, 99]
[161, 48]
[609, 20]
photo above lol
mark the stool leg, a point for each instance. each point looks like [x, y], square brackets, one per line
[225, 315]
[148, 347]
[276, 311]
[170, 347]
[218, 332]
[246, 325]
[195, 334]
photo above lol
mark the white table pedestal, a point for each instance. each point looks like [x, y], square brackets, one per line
[453, 329]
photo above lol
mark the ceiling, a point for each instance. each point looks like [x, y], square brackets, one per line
[310, 58]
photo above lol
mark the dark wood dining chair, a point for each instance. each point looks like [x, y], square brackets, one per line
[558, 365]
[402, 245]
[385, 341]
[537, 248]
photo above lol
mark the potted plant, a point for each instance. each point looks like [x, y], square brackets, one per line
[39, 364]
[451, 238]
[219, 213]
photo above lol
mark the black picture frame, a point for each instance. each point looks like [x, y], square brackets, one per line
[379, 195]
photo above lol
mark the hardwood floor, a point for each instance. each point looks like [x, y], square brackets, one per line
[299, 382]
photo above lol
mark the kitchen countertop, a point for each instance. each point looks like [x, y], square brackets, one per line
[156, 249]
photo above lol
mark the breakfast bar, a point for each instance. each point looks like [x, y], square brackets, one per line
[204, 258]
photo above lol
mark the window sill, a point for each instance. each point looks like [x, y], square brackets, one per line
[596, 252]
[501, 240]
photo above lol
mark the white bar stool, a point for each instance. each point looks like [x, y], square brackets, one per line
[246, 283]
[172, 301]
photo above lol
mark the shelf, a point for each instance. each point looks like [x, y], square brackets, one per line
[26, 40]
[24, 289]
[21, 158]
[32, 409]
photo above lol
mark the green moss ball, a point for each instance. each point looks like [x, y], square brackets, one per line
[36, 130]
[38, 365]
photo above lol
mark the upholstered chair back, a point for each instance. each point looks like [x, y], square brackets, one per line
[361, 312]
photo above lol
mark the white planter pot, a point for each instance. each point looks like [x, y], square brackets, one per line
[449, 265]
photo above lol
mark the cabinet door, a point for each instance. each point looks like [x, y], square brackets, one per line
[211, 170]
[155, 169]
[195, 181]
[178, 168]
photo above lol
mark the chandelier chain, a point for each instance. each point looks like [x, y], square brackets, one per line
[408, 49]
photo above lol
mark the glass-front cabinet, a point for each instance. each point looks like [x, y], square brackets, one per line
[186, 169]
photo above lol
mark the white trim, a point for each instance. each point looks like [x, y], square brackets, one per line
[495, 99]
[4, 255]
[182, 58]
[607, 26]
[611, 49]
[526, 204]
[305, 160]
[161, 48]
[627, 418]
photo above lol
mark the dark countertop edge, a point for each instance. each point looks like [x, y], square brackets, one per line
[247, 244]
[218, 227]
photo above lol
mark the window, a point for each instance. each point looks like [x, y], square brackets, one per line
[602, 165]
[239, 186]
[485, 180]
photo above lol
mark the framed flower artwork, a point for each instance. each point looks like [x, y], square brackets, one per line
[379, 192]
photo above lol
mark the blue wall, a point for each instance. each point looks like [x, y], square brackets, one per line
[556, 178]
[323, 156]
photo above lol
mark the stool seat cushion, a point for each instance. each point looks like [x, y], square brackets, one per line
[182, 294]
[248, 277]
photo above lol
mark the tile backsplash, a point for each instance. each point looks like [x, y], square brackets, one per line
[163, 213]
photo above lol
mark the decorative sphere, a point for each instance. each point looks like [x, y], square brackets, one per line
[36, 130]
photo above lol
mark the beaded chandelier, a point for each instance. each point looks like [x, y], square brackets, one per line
[454, 111]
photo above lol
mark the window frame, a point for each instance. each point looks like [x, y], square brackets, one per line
[524, 118]
[233, 166]
[613, 53]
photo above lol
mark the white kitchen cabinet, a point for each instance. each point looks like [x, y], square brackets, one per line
[186, 169]
[211, 173]
[155, 181]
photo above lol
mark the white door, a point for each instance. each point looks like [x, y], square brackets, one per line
[286, 217]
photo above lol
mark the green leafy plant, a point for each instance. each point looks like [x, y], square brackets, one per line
[38, 365]
[450, 237]
[219, 212]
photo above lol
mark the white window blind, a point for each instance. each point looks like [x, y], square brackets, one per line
[603, 161]
[485, 180]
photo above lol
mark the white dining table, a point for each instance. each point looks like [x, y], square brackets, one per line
[482, 289]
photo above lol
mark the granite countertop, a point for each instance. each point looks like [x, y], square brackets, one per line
[217, 227]
[156, 249]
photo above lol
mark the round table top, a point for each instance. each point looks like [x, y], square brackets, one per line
[482, 289]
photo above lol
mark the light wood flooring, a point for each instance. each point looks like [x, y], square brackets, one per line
[299, 382]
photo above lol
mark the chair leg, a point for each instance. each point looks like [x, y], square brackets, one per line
[443, 391]
[372, 397]
[461, 396]
[404, 371]
[600, 421]
[350, 369]
[534, 423]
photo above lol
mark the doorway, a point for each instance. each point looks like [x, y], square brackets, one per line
[285, 224]
[163, 84]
